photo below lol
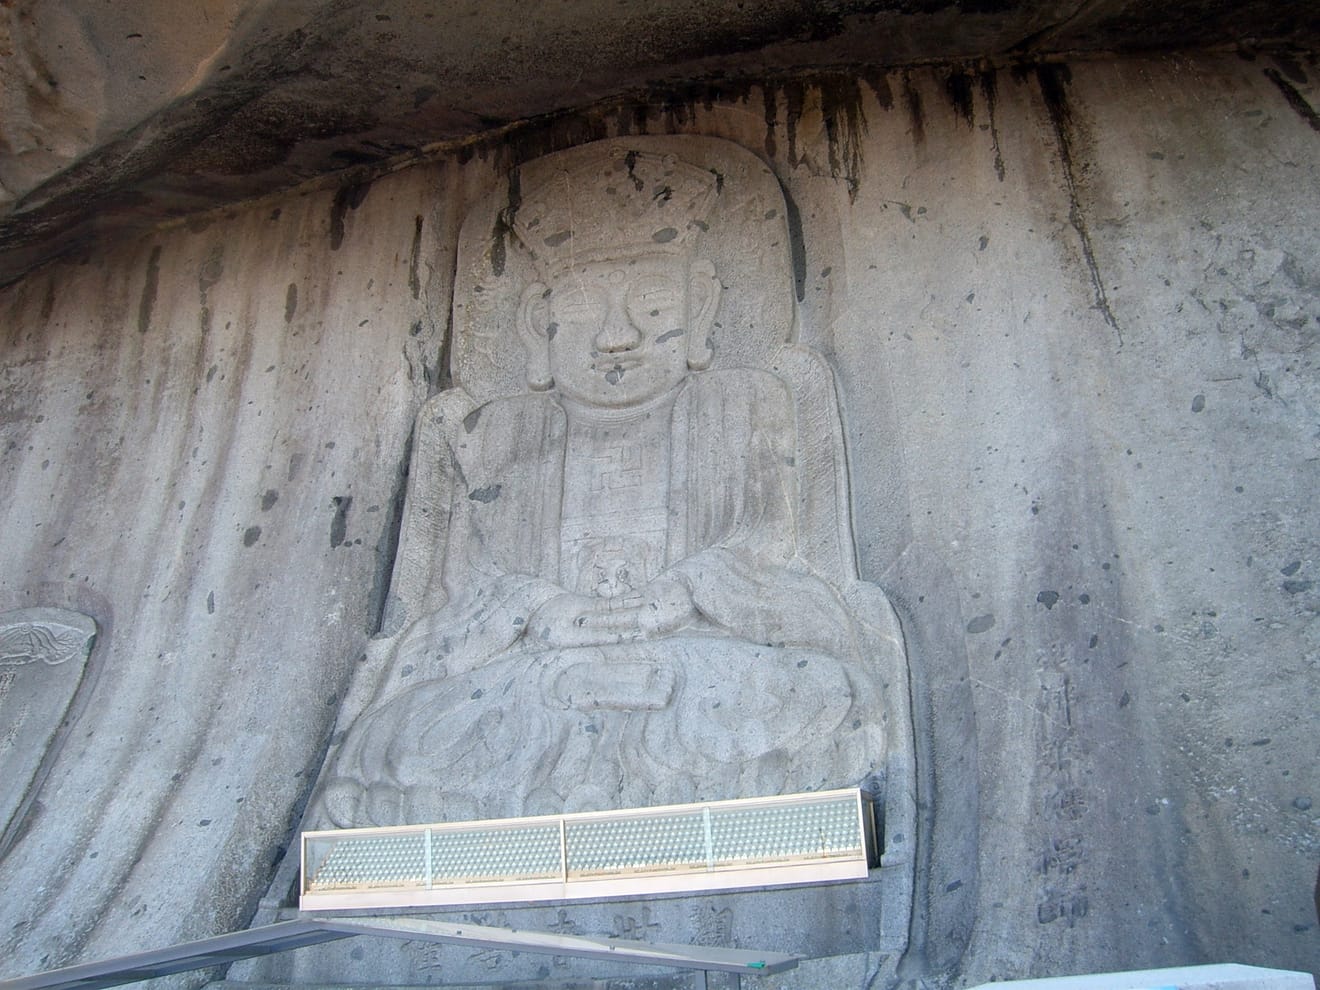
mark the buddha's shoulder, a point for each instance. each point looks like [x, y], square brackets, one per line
[756, 384]
[456, 408]
[454, 419]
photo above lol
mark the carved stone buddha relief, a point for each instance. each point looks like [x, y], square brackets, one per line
[43, 654]
[626, 572]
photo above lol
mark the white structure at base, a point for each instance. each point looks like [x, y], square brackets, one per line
[1222, 976]
[784, 840]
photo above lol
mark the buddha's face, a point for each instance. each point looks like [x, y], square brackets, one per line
[617, 330]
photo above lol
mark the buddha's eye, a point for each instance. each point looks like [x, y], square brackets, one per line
[655, 301]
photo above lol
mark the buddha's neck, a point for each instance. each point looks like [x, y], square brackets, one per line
[582, 415]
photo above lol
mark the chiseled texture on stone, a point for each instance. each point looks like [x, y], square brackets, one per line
[1072, 313]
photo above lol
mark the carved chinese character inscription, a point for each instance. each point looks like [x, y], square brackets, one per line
[626, 572]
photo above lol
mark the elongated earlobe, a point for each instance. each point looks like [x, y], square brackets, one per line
[703, 301]
[533, 323]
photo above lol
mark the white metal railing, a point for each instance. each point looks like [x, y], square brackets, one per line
[770, 841]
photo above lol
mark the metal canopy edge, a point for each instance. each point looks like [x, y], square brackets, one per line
[284, 935]
[614, 949]
[199, 954]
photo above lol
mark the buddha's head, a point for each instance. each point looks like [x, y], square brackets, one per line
[624, 307]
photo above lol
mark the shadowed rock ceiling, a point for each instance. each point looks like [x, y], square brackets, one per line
[121, 115]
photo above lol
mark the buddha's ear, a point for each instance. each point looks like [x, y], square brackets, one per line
[703, 302]
[533, 327]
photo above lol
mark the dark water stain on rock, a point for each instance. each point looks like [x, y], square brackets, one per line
[268, 499]
[543, 136]
[982, 623]
[251, 535]
[149, 289]
[1295, 587]
[1295, 99]
[630, 163]
[916, 115]
[1048, 598]
[504, 224]
[797, 245]
[486, 495]
[990, 93]
[348, 197]
[677, 110]
[958, 84]
[210, 603]
[1290, 569]
[784, 99]
[770, 108]
[1290, 67]
[631, 119]
[339, 524]
[1198, 403]
[845, 127]
[877, 81]
[1053, 80]
[290, 302]
[793, 98]
[414, 281]
[212, 270]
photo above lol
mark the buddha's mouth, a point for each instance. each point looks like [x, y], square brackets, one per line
[619, 363]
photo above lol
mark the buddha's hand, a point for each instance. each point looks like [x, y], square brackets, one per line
[584, 620]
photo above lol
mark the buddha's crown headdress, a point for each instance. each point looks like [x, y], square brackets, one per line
[629, 204]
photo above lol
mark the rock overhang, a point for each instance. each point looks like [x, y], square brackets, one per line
[121, 119]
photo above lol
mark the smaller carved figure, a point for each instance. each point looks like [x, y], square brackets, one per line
[43, 652]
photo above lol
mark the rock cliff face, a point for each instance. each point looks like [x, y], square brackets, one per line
[118, 116]
[1072, 309]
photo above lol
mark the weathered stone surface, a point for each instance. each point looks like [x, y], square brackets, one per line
[158, 475]
[1072, 314]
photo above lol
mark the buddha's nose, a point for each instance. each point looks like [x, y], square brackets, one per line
[617, 333]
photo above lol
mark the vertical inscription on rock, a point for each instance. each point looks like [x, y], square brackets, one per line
[1063, 803]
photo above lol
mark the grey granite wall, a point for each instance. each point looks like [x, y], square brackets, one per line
[1073, 313]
